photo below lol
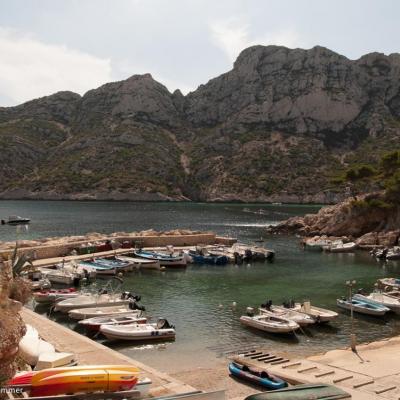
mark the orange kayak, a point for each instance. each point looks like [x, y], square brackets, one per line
[55, 381]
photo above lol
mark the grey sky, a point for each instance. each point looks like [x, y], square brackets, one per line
[51, 45]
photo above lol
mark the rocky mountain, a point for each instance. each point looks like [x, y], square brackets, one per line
[277, 127]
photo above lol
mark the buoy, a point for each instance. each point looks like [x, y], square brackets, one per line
[220, 306]
[234, 304]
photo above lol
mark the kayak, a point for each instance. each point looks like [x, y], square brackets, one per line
[303, 392]
[253, 375]
[86, 378]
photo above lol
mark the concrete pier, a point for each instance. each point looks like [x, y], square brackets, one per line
[88, 351]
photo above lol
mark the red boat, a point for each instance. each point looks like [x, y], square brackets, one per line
[54, 295]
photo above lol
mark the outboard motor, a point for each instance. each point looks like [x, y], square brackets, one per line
[163, 323]
[103, 291]
[134, 306]
[248, 255]
[238, 258]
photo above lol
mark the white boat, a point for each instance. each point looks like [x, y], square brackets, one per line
[140, 262]
[84, 313]
[59, 276]
[165, 260]
[287, 313]
[130, 317]
[40, 284]
[270, 323]
[389, 284]
[381, 299]
[342, 247]
[31, 346]
[319, 314]
[161, 330]
[316, 244]
[91, 300]
[362, 307]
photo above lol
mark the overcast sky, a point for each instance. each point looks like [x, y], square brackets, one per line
[77, 45]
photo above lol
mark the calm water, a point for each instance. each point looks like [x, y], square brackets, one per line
[192, 299]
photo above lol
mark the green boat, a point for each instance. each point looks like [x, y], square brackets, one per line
[303, 392]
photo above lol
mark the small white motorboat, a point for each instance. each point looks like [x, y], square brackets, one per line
[59, 276]
[270, 323]
[381, 299]
[287, 313]
[389, 284]
[166, 260]
[15, 220]
[91, 300]
[362, 307]
[130, 317]
[140, 262]
[91, 312]
[341, 247]
[319, 314]
[161, 330]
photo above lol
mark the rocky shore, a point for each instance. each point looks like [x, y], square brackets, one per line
[363, 219]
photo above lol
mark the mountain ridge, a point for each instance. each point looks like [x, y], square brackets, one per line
[277, 127]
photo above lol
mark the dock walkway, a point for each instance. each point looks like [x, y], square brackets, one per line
[88, 351]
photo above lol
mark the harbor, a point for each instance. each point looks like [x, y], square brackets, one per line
[204, 301]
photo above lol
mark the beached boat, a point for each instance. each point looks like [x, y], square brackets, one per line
[300, 318]
[94, 323]
[15, 220]
[91, 300]
[381, 299]
[269, 323]
[319, 391]
[79, 379]
[54, 295]
[319, 314]
[141, 263]
[362, 307]
[165, 260]
[342, 247]
[257, 376]
[84, 313]
[140, 332]
[31, 346]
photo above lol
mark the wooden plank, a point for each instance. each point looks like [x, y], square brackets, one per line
[306, 369]
[386, 389]
[257, 357]
[324, 373]
[292, 364]
[273, 359]
[252, 354]
[266, 356]
[279, 362]
[365, 383]
[343, 378]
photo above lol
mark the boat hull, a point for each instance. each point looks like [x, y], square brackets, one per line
[288, 327]
[362, 308]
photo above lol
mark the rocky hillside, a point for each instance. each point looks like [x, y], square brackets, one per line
[280, 126]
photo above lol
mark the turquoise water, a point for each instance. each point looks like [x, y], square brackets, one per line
[198, 301]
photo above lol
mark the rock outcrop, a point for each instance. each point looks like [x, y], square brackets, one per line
[368, 226]
[276, 127]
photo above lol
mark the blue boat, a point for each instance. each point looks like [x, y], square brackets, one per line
[256, 376]
[112, 263]
[362, 307]
[99, 268]
[208, 258]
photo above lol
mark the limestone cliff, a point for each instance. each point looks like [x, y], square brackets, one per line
[277, 127]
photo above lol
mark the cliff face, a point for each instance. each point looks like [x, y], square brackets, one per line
[275, 128]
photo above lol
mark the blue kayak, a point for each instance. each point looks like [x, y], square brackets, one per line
[255, 376]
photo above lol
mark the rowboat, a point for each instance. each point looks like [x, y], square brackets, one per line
[362, 307]
[296, 316]
[161, 330]
[91, 300]
[165, 260]
[15, 220]
[119, 265]
[270, 323]
[94, 323]
[91, 312]
[381, 299]
[207, 258]
[31, 346]
[79, 379]
[257, 376]
[393, 254]
[138, 262]
[319, 314]
[98, 268]
[303, 392]
[54, 295]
